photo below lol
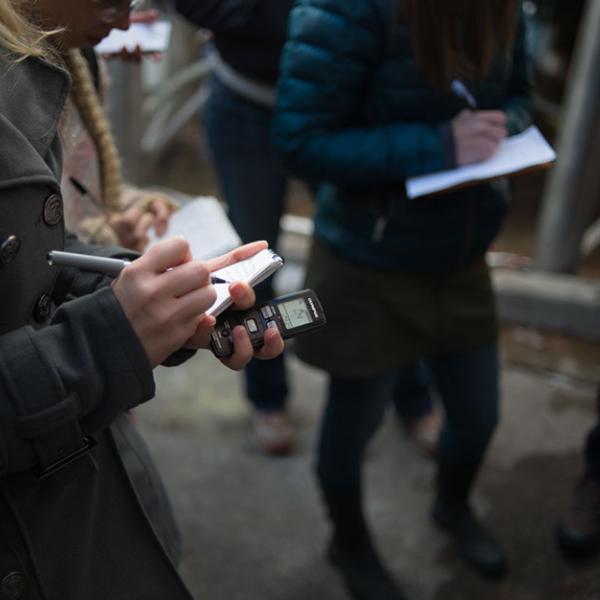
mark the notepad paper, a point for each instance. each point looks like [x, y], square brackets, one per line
[150, 37]
[253, 270]
[203, 222]
[516, 153]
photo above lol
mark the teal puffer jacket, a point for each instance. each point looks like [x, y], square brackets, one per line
[355, 112]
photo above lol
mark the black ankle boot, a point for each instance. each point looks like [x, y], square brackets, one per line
[451, 511]
[351, 550]
[578, 532]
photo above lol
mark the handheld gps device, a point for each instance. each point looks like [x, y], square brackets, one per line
[292, 314]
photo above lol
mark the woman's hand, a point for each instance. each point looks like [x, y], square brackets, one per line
[164, 295]
[160, 208]
[477, 134]
[132, 225]
[243, 298]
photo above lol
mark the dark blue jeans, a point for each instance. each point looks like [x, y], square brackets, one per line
[467, 385]
[253, 182]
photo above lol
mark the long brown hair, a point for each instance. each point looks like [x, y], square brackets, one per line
[459, 38]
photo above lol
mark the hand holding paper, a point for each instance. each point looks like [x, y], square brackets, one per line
[477, 134]
[252, 270]
[516, 153]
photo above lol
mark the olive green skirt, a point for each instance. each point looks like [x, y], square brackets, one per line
[380, 320]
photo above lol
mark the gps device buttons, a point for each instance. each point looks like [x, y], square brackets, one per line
[251, 325]
[266, 311]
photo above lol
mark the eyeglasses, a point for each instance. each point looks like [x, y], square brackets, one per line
[112, 11]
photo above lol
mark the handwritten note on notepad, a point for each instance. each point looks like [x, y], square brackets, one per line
[253, 270]
[150, 37]
[517, 153]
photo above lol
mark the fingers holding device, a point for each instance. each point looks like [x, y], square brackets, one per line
[290, 315]
[166, 296]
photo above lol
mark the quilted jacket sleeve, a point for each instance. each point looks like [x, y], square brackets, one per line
[332, 48]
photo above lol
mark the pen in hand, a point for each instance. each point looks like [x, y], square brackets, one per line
[99, 264]
[460, 89]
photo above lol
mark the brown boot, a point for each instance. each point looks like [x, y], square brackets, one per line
[579, 529]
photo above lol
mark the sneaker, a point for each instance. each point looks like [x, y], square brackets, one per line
[273, 433]
[424, 431]
[578, 533]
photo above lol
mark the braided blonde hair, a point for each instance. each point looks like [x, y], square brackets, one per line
[88, 103]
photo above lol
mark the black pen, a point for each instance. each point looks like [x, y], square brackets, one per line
[100, 264]
[85, 193]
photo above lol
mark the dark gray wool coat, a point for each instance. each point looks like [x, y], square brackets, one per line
[75, 524]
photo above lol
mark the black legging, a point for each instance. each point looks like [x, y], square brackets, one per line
[468, 386]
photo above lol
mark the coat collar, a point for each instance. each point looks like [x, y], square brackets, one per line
[32, 98]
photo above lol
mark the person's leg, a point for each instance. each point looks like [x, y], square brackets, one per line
[354, 411]
[468, 386]
[579, 528]
[415, 406]
[253, 183]
[412, 395]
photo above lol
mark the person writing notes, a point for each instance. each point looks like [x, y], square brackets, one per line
[364, 103]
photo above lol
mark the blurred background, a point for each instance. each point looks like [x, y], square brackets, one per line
[252, 525]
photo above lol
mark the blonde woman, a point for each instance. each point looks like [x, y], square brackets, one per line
[99, 206]
[71, 514]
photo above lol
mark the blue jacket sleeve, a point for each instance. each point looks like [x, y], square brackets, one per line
[325, 69]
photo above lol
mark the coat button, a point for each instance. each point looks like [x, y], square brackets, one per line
[9, 248]
[53, 210]
[41, 312]
[12, 585]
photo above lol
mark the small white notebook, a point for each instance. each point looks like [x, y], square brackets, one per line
[253, 270]
[204, 223]
[517, 153]
[150, 37]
